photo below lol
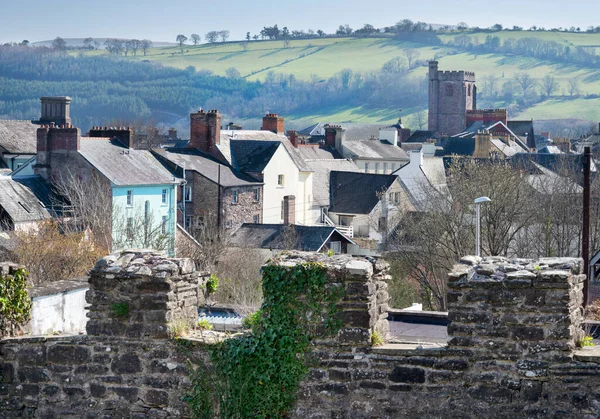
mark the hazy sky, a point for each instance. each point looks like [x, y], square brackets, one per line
[37, 20]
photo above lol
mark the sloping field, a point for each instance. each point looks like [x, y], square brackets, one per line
[317, 59]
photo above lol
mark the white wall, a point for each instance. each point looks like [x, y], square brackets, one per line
[65, 312]
[391, 165]
[295, 183]
[141, 194]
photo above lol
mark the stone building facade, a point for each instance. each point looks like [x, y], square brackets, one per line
[239, 204]
[451, 95]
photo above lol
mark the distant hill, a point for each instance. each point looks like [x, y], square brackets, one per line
[321, 58]
[78, 42]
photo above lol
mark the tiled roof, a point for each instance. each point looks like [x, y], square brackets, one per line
[207, 166]
[18, 137]
[273, 236]
[321, 169]
[25, 199]
[356, 192]
[252, 156]
[123, 166]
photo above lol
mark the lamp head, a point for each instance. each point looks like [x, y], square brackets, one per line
[482, 199]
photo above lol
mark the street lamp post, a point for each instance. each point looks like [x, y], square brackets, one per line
[478, 201]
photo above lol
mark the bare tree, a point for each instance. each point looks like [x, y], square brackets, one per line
[233, 73]
[550, 85]
[59, 44]
[240, 281]
[209, 241]
[88, 43]
[433, 240]
[490, 85]
[525, 82]
[224, 35]
[211, 37]
[421, 118]
[411, 55]
[135, 45]
[145, 45]
[574, 85]
[195, 38]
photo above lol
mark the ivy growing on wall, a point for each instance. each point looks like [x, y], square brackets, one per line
[257, 375]
[15, 305]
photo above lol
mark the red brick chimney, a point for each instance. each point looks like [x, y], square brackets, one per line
[293, 136]
[125, 135]
[205, 130]
[274, 123]
[54, 140]
[289, 209]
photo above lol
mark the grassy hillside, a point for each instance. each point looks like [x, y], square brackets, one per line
[319, 59]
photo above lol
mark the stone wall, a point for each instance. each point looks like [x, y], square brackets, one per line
[125, 366]
[514, 325]
[511, 350]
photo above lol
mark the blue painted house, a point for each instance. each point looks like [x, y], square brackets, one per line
[139, 190]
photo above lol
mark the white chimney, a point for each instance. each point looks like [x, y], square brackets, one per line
[416, 158]
[389, 134]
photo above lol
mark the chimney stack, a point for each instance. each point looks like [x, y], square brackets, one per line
[334, 137]
[56, 109]
[293, 136]
[125, 135]
[274, 123]
[172, 133]
[52, 140]
[289, 209]
[205, 130]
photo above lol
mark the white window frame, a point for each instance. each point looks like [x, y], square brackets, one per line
[281, 180]
[256, 194]
[377, 168]
[235, 196]
[256, 219]
[163, 226]
[187, 193]
[130, 198]
[366, 167]
[164, 197]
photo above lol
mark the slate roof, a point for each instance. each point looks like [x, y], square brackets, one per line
[26, 198]
[320, 153]
[459, 146]
[357, 192]
[375, 149]
[252, 156]
[505, 149]
[272, 236]
[471, 132]
[229, 137]
[18, 137]
[356, 131]
[546, 181]
[553, 162]
[321, 169]
[422, 137]
[174, 143]
[123, 166]
[313, 130]
[524, 130]
[207, 166]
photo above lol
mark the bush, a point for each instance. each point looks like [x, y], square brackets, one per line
[15, 305]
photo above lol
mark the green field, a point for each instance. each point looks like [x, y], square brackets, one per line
[321, 58]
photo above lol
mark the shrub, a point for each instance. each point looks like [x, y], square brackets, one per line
[15, 305]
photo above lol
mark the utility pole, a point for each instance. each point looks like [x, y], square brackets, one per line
[585, 245]
[219, 198]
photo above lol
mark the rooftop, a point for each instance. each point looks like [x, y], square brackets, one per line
[207, 166]
[18, 137]
[123, 166]
[273, 236]
[25, 198]
[357, 192]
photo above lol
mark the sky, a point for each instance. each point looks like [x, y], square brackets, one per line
[37, 20]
